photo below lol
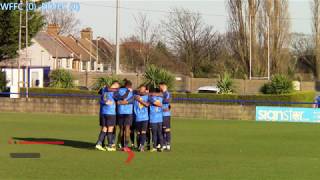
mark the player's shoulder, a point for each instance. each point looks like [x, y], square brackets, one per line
[159, 97]
[166, 94]
[122, 90]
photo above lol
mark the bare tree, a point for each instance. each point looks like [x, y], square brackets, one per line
[237, 35]
[302, 48]
[253, 7]
[190, 38]
[315, 7]
[276, 13]
[147, 35]
[249, 20]
[66, 19]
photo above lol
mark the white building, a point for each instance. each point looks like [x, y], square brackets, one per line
[32, 76]
[46, 51]
[50, 49]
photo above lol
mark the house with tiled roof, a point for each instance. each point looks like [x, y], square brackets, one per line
[95, 55]
[101, 50]
[47, 51]
[67, 52]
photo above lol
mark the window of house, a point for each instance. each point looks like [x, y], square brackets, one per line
[84, 65]
[74, 65]
[92, 65]
[59, 63]
[68, 63]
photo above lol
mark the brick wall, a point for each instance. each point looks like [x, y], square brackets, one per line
[91, 107]
[214, 112]
[186, 83]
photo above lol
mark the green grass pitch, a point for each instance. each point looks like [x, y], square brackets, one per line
[201, 150]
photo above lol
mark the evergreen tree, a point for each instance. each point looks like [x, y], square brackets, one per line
[9, 29]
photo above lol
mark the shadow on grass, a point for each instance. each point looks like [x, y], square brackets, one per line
[67, 142]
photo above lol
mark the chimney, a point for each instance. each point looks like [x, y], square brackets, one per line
[53, 29]
[86, 33]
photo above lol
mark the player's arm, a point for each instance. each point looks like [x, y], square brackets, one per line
[112, 89]
[315, 104]
[121, 100]
[137, 98]
[154, 103]
[130, 100]
[106, 99]
[125, 94]
[100, 91]
[166, 98]
[118, 97]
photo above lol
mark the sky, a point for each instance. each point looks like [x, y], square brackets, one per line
[100, 15]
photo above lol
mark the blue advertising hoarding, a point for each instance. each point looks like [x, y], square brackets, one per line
[287, 114]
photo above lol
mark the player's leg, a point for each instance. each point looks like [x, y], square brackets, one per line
[160, 136]
[132, 134]
[138, 131]
[102, 134]
[148, 136]
[144, 126]
[110, 137]
[120, 131]
[167, 132]
[114, 134]
[111, 122]
[154, 132]
[100, 120]
[138, 138]
[164, 134]
[127, 125]
[127, 135]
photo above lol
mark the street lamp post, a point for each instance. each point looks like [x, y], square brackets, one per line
[117, 38]
[42, 58]
[19, 54]
[27, 87]
[269, 47]
[250, 48]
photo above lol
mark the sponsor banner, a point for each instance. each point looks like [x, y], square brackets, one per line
[287, 114]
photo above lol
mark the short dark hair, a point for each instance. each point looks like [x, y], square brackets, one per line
[143, 85]
[152, 89]
[127, 82]
[162, 83]
[156, 90]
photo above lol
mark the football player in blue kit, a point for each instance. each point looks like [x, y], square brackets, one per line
[156, 119]
[124, 111]
[141, 112]
[108, 117]
[317, 102]
[166, 125]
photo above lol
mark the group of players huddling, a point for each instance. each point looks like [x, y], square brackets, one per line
[135, 113]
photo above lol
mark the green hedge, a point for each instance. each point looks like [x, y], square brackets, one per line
[305, 96]
[51, 91]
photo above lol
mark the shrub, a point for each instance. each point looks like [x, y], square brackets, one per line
[258, 100]
[154, 75]
[280, 84]
[225, 84]
[45, 92]
[61, 78]
[3, 81]
[200, 98]
[104, 81]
